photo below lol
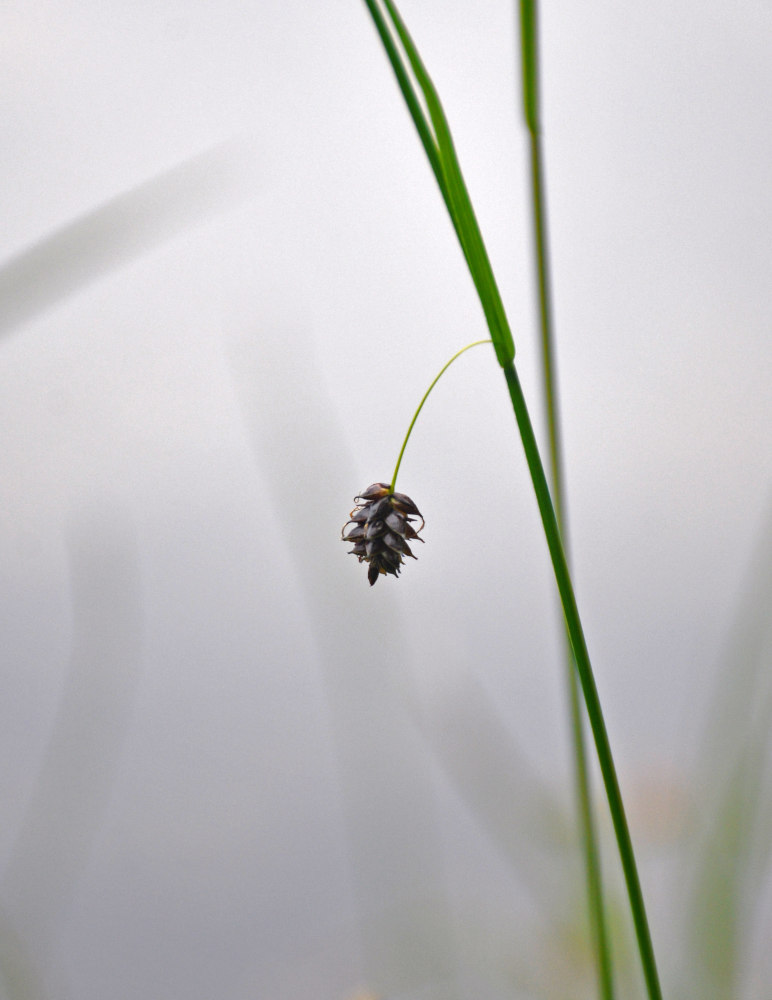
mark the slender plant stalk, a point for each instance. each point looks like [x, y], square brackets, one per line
[458, 354]
[590, 691]
[529, 40]
[435, 134]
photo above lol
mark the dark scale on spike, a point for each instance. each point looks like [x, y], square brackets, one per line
[381, 529]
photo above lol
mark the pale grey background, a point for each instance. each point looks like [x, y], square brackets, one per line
[227, 767]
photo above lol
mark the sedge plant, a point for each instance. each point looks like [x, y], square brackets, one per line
[383, 522]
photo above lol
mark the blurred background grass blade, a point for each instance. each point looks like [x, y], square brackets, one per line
[494, 776]
[388, 800]
[73, 785]
[727, 882]
[121, 229]
[529, 47]
[19, 974]
[731, 826]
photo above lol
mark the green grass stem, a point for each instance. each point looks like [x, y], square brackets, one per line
[529, 42]
[587, 679]
[445, 367]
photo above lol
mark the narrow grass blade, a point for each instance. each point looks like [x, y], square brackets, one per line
[405, 924]
[438, 143]
[417, 113]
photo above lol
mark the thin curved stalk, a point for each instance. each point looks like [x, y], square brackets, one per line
[442, 371]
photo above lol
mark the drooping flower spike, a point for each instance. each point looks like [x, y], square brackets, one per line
[382, 520]
[382, 526]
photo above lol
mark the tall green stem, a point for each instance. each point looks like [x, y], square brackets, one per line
[590, 691]
[532, 112]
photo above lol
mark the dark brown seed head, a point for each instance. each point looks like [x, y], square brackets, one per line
[382, 526]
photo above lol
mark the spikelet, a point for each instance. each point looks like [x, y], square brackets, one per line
[382, 527]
